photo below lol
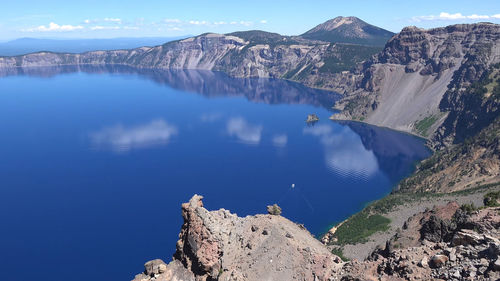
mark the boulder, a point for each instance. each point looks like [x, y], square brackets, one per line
[467, 237]
[423, 262]
[436, 229]
[438, 261]
[496, 265]
[154, 267]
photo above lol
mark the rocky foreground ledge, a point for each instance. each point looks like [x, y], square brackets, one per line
[445, 243]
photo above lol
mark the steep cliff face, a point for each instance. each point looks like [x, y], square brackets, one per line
[240, 54]
[472, 101]
[474, 162]
[421, 76]
[201, 52]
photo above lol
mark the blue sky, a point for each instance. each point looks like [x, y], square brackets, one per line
[132, 18]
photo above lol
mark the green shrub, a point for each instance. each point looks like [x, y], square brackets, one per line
[491, 199]
[339, 252]
[274, 210]
[359, 227]
[423, 125]
[468, 208]
[344, 57]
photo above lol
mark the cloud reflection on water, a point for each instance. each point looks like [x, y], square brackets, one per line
[122, 139]
[280, 140]
[345, 154]
[244, 131]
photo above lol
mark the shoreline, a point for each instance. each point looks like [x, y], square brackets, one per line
[383, 127]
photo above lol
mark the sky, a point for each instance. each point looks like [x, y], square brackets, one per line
[165, 18]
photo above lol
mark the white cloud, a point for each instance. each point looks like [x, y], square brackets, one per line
[197, 22]
[280, 140]
[246, 23]
[115, 20]
[263, 21]
[345, 154]
[245, 132]
[181, 24]
[447, 16]
[474, 16]
[100, 27]
[455, 16]
[120, 138]
[104, 20]
[55, 27]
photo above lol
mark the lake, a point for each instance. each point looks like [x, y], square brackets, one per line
[96, 161]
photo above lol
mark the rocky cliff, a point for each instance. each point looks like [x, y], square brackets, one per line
[447, 242]
[420, 82]
[219, 245]
[474, 162]
[239, 54]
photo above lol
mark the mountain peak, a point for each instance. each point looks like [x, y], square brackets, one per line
[349, 30]
[337, 22]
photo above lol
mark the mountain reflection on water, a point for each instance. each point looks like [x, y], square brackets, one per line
[206, 83]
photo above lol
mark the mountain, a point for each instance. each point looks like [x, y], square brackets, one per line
[30, 45]
[417, 83]
[349, 30]
[242, 54]
[423, 80]
[443, 84]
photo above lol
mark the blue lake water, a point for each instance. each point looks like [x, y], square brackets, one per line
[95, 163]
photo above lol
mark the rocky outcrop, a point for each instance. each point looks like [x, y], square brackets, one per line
[311, 118]
[446, 242]
[219, 245]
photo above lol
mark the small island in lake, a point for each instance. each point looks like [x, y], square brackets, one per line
[312, 118]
